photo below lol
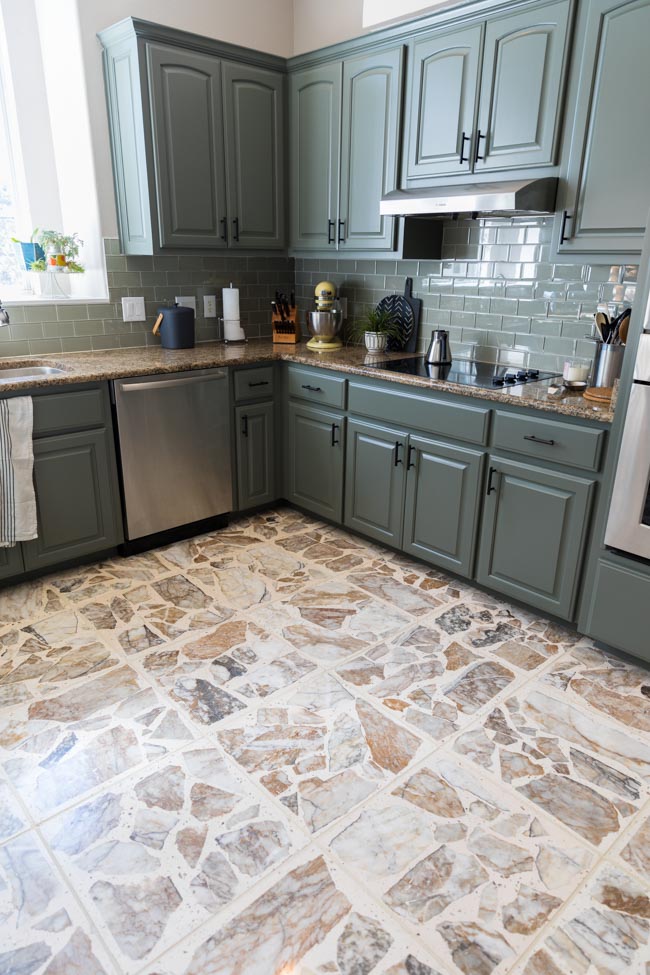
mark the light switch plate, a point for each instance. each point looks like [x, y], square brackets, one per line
[209, 306]
[188, 301]
[133, 310]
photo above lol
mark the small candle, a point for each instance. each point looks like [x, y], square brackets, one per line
[575, 372]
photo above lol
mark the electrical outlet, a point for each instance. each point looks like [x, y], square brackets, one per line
[209, 306]
[188, 301]
[133, 310]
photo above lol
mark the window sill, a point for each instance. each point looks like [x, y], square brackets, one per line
[45, 300]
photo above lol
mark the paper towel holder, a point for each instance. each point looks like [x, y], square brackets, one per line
[237, 341]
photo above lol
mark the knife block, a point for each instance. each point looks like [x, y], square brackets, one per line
[286, 332]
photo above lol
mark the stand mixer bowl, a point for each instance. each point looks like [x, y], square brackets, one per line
[324, 325]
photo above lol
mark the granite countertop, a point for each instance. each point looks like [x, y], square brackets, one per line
[82, 367]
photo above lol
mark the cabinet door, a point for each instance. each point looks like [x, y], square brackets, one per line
[11, 562]
[443, 92]
[442, 503]
[315, 122]
[77, 510]
[372, 89]
[315, 460]
[607, 185]
[187, 132]
[375, 471]
[522, 83]
[255, 455]
[533, 535]
[254, 127]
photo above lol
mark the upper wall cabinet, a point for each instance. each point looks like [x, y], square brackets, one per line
[345, 123]
[606, 184]
[504, 115]
[197, 141]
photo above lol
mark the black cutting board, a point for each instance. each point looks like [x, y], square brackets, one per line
[406, 311]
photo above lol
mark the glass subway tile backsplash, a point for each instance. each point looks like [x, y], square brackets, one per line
[497, 290]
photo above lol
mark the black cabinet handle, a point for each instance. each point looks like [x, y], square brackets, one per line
[563, 234]
[335, 439]
[331, 224]
[410, 463]
[224, 228]
[341, 231]
[263, 382]
[244, 425]
[463, 139]
[312, 389]
[479, 136]
[490, 485]
[235, 224]
[549, 443]
[398, 446]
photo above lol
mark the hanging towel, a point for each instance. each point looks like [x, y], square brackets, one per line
[17, 498]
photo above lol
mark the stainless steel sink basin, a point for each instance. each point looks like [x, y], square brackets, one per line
[27, 370]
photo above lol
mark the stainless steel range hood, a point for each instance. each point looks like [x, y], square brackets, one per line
[512, 198]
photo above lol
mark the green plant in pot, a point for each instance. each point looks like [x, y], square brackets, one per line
[376, 327]
[60, 252]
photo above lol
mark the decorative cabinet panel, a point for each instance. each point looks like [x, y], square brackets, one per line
[344, 122]
[607, 190]
[533, 535]
[255, 449]
[375, 474]
[76, 507]
[316, 443]
[11, 562]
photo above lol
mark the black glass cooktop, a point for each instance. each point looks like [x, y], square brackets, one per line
[466, 372]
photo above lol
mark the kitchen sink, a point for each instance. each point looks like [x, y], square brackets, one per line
[27, 370]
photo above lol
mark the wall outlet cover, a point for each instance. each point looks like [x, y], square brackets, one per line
[133, 310]
[188, 301]
[209, 306]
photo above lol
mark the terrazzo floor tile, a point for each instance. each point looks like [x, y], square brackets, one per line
[156, 855]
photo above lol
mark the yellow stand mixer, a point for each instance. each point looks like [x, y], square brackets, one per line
[325, 322]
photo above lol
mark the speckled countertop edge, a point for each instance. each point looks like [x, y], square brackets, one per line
[84, 367]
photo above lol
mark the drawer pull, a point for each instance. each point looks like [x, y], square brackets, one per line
[312, 389]
[410, 463]
[398, 459]
[490, 485]
[244, 425]
[534, 439]
[335, 430]
[263, 382]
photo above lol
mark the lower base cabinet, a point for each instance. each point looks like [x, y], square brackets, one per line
[533, 535]
[316, 444]
[618, 611]
[11, 562]
[374, 478]
[443, 494]
[74, 483]
[255, 455]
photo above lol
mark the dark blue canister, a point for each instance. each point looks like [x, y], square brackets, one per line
[176, 327]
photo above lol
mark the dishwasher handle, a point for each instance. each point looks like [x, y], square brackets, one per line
[170, 383]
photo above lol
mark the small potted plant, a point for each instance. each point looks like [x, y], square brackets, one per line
[60, 252]
[376, 327]
[31, 251]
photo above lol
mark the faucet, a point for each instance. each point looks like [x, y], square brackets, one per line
[4, 315]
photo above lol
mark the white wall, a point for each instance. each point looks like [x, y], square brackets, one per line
[317, 24]
[263, 24]
[376, 13]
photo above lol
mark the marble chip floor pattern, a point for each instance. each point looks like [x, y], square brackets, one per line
[281, 750]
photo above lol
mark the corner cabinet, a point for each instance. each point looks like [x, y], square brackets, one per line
[197, 141]
[606, 186]
[504, 86]
[344, 122]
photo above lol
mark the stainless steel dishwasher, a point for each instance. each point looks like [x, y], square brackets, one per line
[174, 444]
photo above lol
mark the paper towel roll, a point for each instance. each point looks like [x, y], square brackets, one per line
[232, 330]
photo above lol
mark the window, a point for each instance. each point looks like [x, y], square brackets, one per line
[9, 271]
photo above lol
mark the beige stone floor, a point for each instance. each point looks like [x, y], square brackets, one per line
[280, 750]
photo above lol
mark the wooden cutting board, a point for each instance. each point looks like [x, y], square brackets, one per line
[406, 311]
[599, 394]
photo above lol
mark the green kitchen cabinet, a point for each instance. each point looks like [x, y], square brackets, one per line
[443, 91]
[11, 562]
[443, 486]
[315, 142]
[74, 480]
[315, 445]
[605, 178]
[617, 606]
[534, 531]
[197, 138]
[345, 121]
[255, 450]
[375, 473]
[488, 96]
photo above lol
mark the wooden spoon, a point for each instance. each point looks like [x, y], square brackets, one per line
[623, 329]
[601, 325]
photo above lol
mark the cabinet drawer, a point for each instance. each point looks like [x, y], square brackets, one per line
[316, 387]
[455, 420]
[80, 409]
[254, 383]
[562, 443]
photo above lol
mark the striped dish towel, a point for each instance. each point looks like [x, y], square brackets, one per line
[17, 498]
